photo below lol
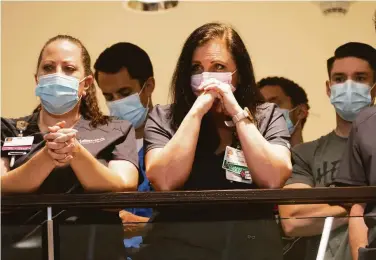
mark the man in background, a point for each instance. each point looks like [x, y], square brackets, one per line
[291, 99]
[358, 168]
[315, 164]
[125, 75]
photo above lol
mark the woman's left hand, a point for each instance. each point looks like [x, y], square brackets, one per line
[228, 100]
[61, 144]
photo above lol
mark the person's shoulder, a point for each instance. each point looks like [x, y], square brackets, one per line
[161, 113]
[264, 112]
[12, 122]
[113, 124]
[366, 115]
[161, 110]
[265, 109]
[119, 124]
[311, 145]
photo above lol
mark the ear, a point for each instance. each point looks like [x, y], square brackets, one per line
[373, 93]
[328, 91]
[36, 79]
[302, 112]
[149, 86]
[88, 82]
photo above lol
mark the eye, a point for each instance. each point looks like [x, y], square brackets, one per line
[339, 79]
[219, 67]
[196, 69]
[48, 68]
[69, 69]
[360, 78]
[125, 92]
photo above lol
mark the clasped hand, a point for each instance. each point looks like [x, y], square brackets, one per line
[213, 89]
[61, 143]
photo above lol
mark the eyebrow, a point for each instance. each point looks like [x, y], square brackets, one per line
[119, 90]
[338, 74]
[273, 99]
[361, 73]
[212, 62]
[218, 61]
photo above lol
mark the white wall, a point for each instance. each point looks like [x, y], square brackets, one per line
[291, 39]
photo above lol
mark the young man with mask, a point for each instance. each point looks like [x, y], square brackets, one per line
[358, 168]
[124, 73]
[291, 99]
[315, 164]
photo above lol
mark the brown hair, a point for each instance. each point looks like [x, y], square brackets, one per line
[89, 108]
[247, 93]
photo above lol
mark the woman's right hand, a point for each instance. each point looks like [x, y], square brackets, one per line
[204, 102]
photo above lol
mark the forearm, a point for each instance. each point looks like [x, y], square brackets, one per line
[170, 168]
[358, 230]
[268, 169]
[29, 176]
[308, 220]
[94, 176]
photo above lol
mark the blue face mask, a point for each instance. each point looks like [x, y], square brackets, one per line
[129, 108]
[286, 114]
[350, 98]
[58, 93]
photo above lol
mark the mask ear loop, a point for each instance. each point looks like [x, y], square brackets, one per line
[85, 88]
[373, 100]
[296, 122]
[143, 86]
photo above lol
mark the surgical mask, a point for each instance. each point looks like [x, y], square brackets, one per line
[58, 93]
[286, 114]
[198, 79]
[130, 108]
[350, 98]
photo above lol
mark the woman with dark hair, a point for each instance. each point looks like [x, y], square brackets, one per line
[73, 148]
[216, 125]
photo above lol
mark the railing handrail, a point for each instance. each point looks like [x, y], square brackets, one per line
[177, 198]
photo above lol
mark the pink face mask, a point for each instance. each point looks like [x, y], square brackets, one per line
[224, 77]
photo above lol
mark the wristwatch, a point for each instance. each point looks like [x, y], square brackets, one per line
[240, 116]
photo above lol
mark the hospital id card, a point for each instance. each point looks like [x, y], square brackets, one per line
[236, 167]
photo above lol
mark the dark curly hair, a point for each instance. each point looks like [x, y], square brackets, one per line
[89, 108]
[290, 88]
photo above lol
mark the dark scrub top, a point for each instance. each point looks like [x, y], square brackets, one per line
[114, 141]
[212, 233]
[358, 166]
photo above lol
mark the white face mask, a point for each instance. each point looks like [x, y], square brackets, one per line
[349, 98]
[130, 108]
[58, 93]
[224, 77]
[286, 114]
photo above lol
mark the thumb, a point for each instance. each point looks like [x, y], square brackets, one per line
[56, 127]
[60, 124]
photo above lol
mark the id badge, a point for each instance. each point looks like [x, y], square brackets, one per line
[18, 144]
[236, 167]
